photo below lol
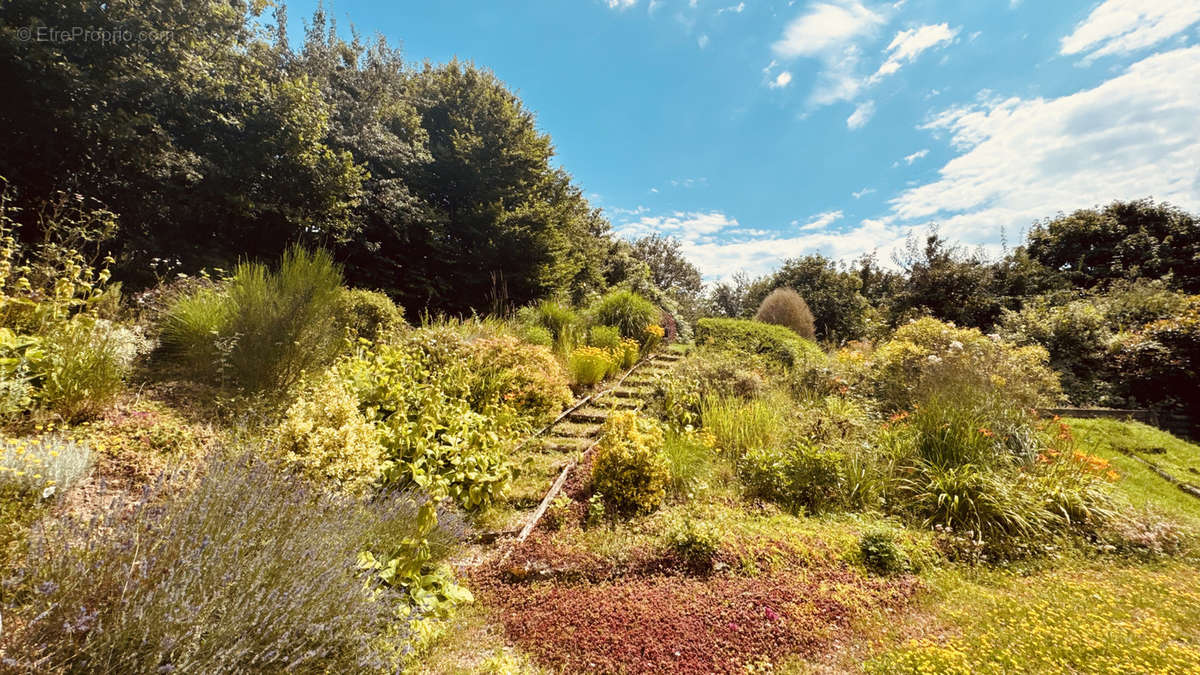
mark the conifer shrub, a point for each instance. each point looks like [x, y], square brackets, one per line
[370, 315]
[629, 312]
[785, 307]
[630, 469]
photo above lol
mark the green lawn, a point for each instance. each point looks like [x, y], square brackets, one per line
[1143, 487]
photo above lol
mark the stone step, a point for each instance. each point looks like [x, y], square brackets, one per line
[627, 392]
[588, 415]
[565, 443]
[622, 403]
[577, 430]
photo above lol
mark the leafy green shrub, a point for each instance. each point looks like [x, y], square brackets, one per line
[437, 432]
[589, 365]
[325, 437]
[629, 312]
[797, 475]
[246, 570]
[784, 307]
[43, 466]
[630, 469]
[927, 356]
[522, 376]
[536, 335]
[59, 349]
[84, 366]
[1075, 335]
[365, 314]
[261, 329]
[1128, 305]
[1161, 361]
[694, 543]
[880, 552]
[777, 344]
[604, 337]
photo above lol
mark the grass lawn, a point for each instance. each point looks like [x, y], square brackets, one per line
[1142, 486]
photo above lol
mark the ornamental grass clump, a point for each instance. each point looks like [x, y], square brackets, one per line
[785, 307]
[630, 470]
[262, 329]
[629, 312]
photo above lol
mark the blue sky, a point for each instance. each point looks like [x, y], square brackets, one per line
[758, 130]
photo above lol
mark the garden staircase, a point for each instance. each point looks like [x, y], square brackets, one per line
[564, 442]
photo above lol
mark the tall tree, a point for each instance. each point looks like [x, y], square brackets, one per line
[1124, 240]
[670, 270]
[186, 127]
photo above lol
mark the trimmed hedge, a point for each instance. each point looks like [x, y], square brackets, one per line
[779, 344]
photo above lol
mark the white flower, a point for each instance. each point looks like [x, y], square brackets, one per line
[934, 358]
[955, 346]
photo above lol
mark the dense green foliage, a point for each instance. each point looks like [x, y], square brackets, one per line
[1124, 240]
[216, 142]
[776, 343]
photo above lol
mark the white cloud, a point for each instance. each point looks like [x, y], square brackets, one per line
[821, 220]
[826, 27]
[861, 115]
[781, 80]
[1118, 26]
[909, 159]
[829, 33]
[862, 193]
[621, 4]
[909, 44]
[702, 41]
[736, 9]
[1132, 136]
[686, 225]
[756, 256]
[688, 182]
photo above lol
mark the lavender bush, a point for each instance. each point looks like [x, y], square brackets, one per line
[246, 570]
